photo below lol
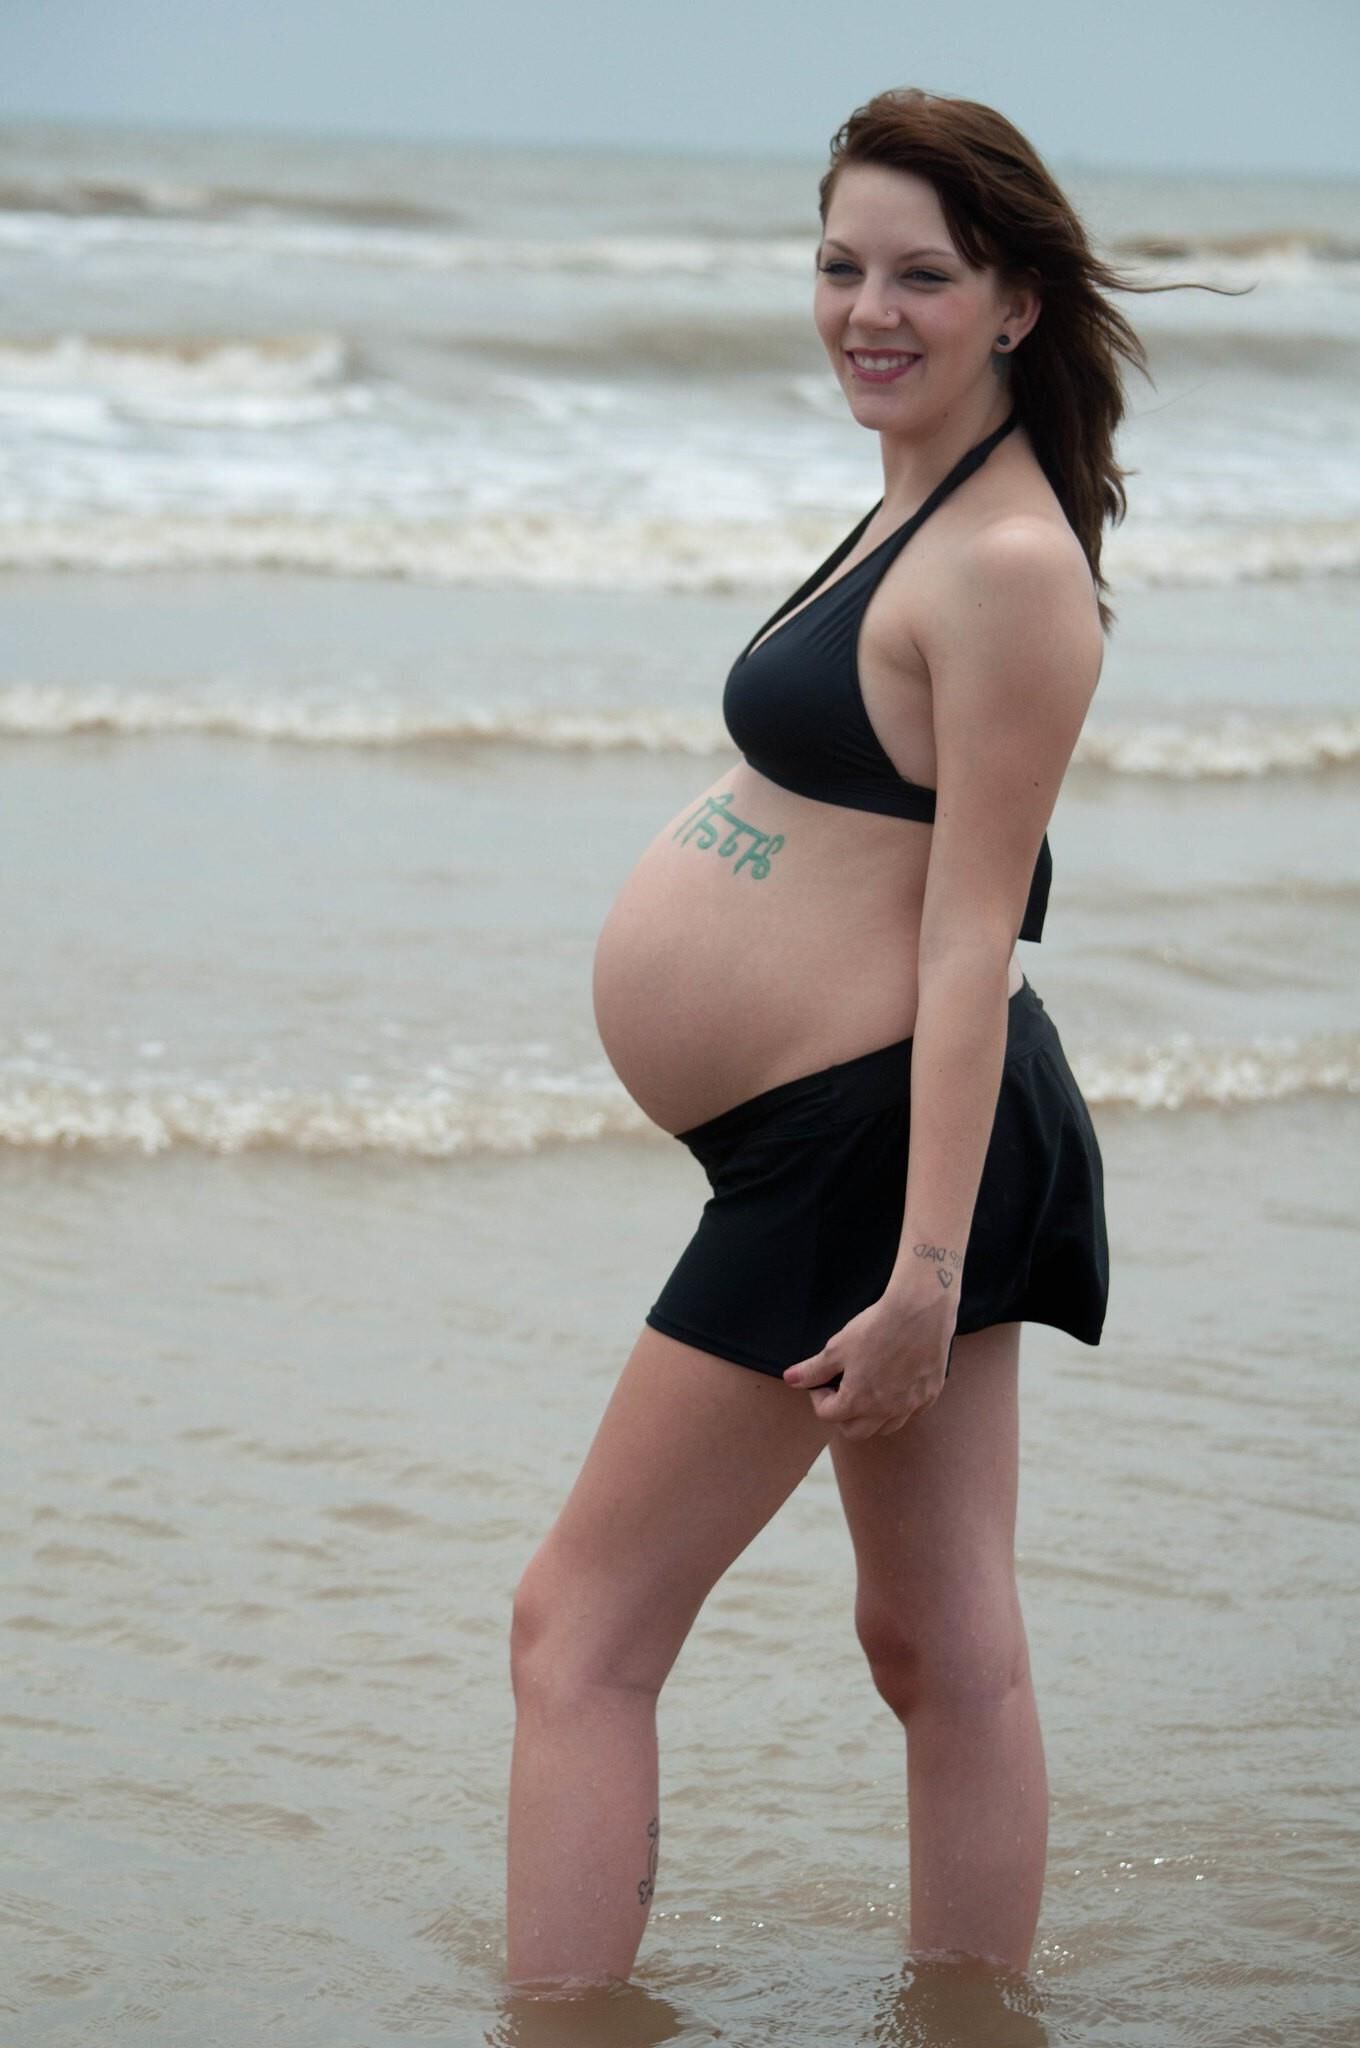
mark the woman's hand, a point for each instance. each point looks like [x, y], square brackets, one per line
[889, 1362]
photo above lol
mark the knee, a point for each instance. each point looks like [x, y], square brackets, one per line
[967, 1664]
[566, 1643]
[531, 1628]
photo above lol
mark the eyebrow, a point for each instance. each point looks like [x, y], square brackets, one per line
[830, 242]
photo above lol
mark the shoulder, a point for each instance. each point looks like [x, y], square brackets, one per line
[1014, 649]
[1014, 606]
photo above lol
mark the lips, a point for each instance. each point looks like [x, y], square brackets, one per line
[881, 366]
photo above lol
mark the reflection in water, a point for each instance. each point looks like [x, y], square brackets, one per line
[955, 2001]
[603, 2016]
[935, 2000]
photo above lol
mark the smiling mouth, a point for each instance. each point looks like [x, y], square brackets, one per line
[880, 366]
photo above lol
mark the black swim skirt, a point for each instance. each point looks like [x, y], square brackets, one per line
[809, 1178]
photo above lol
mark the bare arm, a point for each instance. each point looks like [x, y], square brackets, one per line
[1014, 656]
[1018, 657]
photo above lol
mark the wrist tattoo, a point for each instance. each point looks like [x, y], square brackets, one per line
[947, 1263]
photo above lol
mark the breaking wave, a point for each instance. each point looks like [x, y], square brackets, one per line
[541, 552]
[67, 1111]
[276, 380]
[1233, 747]
[73, 212]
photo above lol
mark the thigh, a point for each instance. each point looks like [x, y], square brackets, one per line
[692, 1457]
[931, 1508]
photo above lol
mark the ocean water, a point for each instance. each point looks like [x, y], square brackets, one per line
[377, 524]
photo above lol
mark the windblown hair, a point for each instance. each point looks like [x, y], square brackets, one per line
[1005, 210]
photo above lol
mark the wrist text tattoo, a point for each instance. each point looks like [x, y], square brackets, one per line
[647, 1884]
[945, 1262]
[701, 824]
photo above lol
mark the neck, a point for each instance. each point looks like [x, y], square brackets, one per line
[913, 467]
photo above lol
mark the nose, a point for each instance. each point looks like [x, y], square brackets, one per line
[874, 306]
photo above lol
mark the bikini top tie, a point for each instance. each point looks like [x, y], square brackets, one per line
[795, 705]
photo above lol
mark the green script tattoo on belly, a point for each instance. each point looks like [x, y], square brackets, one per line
[702, 825]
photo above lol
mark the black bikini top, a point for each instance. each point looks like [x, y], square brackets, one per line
[795, 706]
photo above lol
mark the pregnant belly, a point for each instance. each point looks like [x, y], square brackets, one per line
[760, 936]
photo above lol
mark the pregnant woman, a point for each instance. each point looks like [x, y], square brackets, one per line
[811, 978]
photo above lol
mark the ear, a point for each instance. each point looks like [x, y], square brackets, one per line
[1021, 305]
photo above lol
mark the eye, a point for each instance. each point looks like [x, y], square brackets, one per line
[840, 269]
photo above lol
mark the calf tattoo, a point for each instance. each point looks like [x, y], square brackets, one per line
[647, 1884]
[945, 1262]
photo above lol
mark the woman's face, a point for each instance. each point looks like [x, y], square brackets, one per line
[908, 325]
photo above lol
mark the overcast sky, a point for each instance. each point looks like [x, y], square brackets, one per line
[1236, 85]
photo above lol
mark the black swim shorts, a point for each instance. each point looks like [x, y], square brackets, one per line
[808, 1180]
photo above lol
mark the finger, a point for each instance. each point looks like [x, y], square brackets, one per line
[827, 1403]
[858, 1427]
[814, 1372]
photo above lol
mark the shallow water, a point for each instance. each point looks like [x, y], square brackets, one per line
[324, 1228]
[282, 1432]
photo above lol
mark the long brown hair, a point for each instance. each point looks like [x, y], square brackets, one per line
[1006, 211]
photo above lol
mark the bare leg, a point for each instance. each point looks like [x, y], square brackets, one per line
[932, 1514]
[691, 1459]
